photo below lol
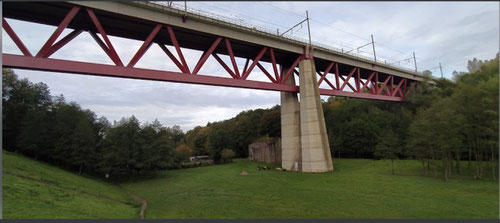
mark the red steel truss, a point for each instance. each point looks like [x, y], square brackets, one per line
[339, 84]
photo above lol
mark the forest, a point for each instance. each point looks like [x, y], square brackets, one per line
[442, 125]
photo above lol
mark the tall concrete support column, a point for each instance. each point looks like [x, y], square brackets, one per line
[290, 129]
[314, 140]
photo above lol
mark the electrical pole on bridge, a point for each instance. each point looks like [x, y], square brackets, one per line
[415, 61]
[440, 68]
[308, 27]
[373, 44]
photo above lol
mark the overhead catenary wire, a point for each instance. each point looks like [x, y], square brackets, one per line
[325, 42]
[274, 24]
[293, 13]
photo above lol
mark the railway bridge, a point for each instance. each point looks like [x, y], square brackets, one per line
[305, 145]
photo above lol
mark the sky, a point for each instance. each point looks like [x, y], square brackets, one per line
[450, 33]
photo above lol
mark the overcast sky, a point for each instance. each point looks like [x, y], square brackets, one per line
[449, 33]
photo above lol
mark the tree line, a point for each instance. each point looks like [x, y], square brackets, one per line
[62, 133]
[441, 125]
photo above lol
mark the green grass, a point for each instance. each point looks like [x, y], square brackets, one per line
[356, 189]
[24, 198]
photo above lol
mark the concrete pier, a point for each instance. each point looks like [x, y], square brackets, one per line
[314, 139]
[303, 130]
[290, 129]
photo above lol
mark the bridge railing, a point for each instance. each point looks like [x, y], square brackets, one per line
[246, 24]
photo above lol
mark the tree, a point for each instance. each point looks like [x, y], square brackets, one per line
[34, 137]
[184, 151]
[388, 147]
[20, 97]
[270, 123]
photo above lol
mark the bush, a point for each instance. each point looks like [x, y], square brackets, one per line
[184, 152]
[227, 155]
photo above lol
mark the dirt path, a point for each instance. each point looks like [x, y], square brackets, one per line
[141, 200]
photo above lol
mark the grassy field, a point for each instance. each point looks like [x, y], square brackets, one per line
[28, 198]
[356, 189]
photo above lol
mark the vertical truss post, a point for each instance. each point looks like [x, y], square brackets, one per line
[358, 79]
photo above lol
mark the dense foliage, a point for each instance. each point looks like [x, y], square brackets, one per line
[234, 134]
[51, 129]
[438, 124]
[461, 122]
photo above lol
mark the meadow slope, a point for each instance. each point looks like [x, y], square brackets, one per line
[33, 189]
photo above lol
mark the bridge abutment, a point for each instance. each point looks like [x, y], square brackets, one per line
[312, 142]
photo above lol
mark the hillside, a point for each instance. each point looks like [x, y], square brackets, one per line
[33, 189]
[358, 188]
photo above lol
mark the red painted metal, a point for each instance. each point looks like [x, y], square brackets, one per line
[326, 80]
[15, 38]
[397, 87]
[58, 31]
[231, 56]
[337, 82]
[255, 61]
[384, 85]
[378, 91]
[281, 72]
[62, 42]
[172, 57]
[346, 81]
[145, 46]
[266, 73]
[290, 70]
[205, 56]
[357, 80]
[111, 50]
[56, 65]
[404, 88]
[105, 48]
[367, 82]
[391, 89]
[225, 66]
[185, 68]
[358, 95]
[327, 70]
[246, 66]
[273, 61]
[99, 42]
